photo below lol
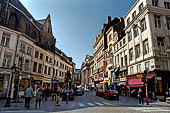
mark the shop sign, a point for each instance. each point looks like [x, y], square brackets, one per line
[158, 78]
[122, 79]
[54, 79]
[139, 76]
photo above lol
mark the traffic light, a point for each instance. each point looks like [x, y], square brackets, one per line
[69, 80]
[144, 79]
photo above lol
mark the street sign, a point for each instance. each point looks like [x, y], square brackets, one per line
[54, 80]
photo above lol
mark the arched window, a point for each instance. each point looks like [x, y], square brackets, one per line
[12, 22]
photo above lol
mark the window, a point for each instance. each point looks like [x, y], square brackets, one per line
[45, 69]
[157, 21]
[47, 58]
[36, 54]
[124, 40]
[168, 23]
[39, 68]
[57, 63]
[147, 65]
[120, 43]
[41, 56]
[5, 39]
[164, 65]
[27, 65]
[143, 25]
[135, 31]
[49, 70]
[129, 36]
[53, 71]
[35, 67]
[23, 47]
[145, 47]
[20, 62]
[110, 47]
[29, 50]
[7, 61]
[139, 68]
[160, 43]
[128, 21]
[50, 60]
[110, 37]
[141, 7]
[122, 61]
[134, 15]
[155, 3]
[137, 49]
[56, 72]
[167, 5]
[131, 70]
[131, 54]
[54, 62]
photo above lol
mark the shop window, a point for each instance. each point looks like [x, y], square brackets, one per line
[7, 61]
[5, 39]
[1, 82]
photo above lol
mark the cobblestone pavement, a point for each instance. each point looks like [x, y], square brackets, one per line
[88, 103]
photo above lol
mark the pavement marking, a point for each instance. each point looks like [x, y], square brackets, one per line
[81, 105]
[149, 109]
[156, 110]
[25, 111]
[90, 104]
[98, 103]
[107, 103]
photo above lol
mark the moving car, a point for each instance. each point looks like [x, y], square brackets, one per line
[100, 92]
[79, 91]
[111, 94]
[70, 92]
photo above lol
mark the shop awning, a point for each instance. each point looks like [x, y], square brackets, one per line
[134, 83]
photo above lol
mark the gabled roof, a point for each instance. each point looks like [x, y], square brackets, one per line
[19, 6]
[41, 21]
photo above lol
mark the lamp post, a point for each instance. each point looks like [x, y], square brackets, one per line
[8, 100]
[144, 79]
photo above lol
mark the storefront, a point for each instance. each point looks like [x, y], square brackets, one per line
[4, 81]
[47, 82]
[37, 81]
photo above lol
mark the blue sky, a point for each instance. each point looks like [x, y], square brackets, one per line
[76, 22]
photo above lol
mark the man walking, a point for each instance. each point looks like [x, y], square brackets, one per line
[140, 96]
[28, 96]
[58, 96]
[38, 97]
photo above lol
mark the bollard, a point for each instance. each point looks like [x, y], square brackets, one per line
[67, 98]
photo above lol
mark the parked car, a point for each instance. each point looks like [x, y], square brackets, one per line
[70, 92]
[111, 94]
[100, 92]
[79, 91]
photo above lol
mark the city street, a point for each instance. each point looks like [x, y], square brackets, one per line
[89, 103]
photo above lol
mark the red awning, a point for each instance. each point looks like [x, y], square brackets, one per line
[134, 83]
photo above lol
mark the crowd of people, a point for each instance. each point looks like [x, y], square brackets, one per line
[42, 94]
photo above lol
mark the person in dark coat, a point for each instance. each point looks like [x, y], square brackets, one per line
[140, 96]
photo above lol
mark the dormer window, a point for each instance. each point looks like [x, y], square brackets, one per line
[141, 7]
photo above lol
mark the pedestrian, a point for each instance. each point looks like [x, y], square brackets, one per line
[38, 97]
[58, 96]
[140, 96]
[28, 96]
[46, 93]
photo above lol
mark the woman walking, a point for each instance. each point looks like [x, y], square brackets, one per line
[38, 98]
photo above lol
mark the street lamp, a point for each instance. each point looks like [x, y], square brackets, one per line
[8, 100]
[144, 79]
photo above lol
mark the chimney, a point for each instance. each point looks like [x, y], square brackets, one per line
[109, 19]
